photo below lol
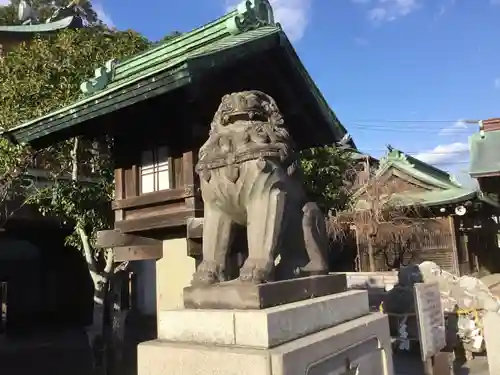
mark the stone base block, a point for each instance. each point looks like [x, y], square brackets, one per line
[491, 322]
[243, 296]
[262, 328]
[361, 345]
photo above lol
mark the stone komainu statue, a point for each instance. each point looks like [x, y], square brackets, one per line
[249, 175]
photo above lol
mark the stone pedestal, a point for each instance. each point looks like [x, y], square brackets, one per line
[325, 335]
[491, 322]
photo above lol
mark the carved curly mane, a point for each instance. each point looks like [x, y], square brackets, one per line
[247, 125]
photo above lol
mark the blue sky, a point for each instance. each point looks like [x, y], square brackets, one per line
[399, 72]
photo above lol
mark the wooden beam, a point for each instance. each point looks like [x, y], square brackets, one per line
[454, 250]
[127, 247]
[130, 253]
[152, 198]
[169, 220]
[116, 238]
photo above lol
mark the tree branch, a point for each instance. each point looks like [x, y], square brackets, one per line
[109, 256]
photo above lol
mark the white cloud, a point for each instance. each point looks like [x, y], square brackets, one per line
[445, 154]
[457, 128]
[389, 10]
[293, 15]
[444, 7]
[4, 2]
[101, 13]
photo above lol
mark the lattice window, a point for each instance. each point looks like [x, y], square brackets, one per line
[155, 170]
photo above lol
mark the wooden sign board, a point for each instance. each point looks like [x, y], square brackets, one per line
[430, 319]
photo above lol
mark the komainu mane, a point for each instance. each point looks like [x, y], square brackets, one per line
[249, 175]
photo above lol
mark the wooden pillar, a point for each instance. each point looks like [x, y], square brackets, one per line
[453, 241]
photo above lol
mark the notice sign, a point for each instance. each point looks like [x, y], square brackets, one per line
[430, 319]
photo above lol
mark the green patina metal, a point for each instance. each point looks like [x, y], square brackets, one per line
[417, 169]
[218, 35]
[102, 76]
[248, 30]
[251, 14]
[441, 187]
[484, 156]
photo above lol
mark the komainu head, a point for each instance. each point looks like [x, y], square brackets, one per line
[248, 125]
[247, 106]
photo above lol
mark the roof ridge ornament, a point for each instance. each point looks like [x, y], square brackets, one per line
[250, 15]
[454, 180]
[102, 77]
[393, 154]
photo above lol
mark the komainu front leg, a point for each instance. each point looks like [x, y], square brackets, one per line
[315, 239]
[217, 238]
[257, 271]
[265, 220]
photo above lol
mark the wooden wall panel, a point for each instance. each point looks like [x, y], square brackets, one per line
[435, 244]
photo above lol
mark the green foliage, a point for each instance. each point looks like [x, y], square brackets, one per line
[14, 162]
[326, 171]
[8, 15]
[45, 75]
[85, 204]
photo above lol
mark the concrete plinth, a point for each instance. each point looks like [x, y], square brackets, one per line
[261, 328]
[325, 335]
[364, 341]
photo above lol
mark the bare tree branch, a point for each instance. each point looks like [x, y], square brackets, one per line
[390, 227]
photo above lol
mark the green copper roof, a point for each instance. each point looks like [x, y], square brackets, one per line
[433, 198]
[39, 28]
[215, 36]
[484, 153]
[444, 189]
[436, 197]
[417, 169]
[248, 30]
